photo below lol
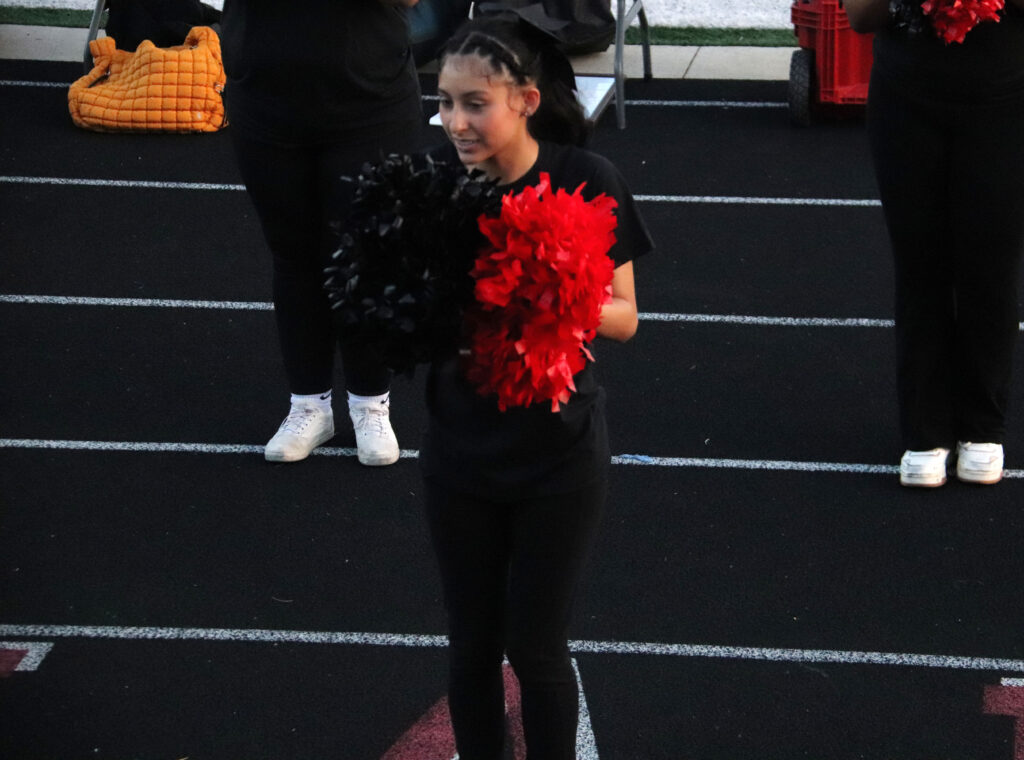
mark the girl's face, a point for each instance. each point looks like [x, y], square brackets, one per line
[484, 114]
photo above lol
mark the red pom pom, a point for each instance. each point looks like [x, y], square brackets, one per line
[540, 288]
[953, 19]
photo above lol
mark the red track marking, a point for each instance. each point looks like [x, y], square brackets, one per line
[1008, 700]
[11, 658]
[430, 738]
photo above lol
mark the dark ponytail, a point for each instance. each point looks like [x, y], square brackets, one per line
[529, 56]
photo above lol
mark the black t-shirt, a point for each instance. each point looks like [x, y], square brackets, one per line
[987, 67]
[472, 446]
[317, 68]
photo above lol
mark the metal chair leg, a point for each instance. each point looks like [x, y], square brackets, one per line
[94, 30]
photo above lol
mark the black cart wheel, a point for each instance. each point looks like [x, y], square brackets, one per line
[801, 87]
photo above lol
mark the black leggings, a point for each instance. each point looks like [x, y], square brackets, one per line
[510, 572]
[297, 194]
[952, 185]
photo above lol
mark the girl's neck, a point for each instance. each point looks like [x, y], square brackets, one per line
[515, 164]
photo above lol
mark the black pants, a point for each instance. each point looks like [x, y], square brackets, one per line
[952, 186]
[510, 572]
[297, 193]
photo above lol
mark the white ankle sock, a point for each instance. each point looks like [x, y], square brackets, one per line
[322, 400]
[384, 398]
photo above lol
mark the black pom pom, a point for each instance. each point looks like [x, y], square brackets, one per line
[400, 276]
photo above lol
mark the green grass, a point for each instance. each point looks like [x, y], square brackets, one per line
[693, 36]
[45, 17]
[660, 35]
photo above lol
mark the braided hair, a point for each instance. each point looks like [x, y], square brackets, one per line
[528, 56]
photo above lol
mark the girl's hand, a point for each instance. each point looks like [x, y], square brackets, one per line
[867, 15]
[619, 318]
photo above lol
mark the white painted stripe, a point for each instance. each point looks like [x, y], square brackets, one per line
[149, 447]
[131, 183]
[25, 83]
[949, 662]
[754, 464]
[152, 447]
[1016, 682]
[740, 319]
[35, 652]
[733, 319]
[169, 303]
[757, 201]
[721, 199]
[736, 319]
[586, 744]
[708, 103]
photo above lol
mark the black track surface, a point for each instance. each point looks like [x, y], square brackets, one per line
[691, 554]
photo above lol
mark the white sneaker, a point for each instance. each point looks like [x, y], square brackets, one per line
[376, 443]
[926, 469]
[305, 428]
[979, 462]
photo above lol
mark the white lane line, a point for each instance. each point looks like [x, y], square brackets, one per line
[949, 662]
[741, 319]
[754, 464]
[735, 319]
[35, 651]
[169, 303]
[130, 183]
[586, 742]
[757, 201]
[716, 199]
[26, 83]
[725, 319]
[776, 465]
[155, 447]
[433, 98]
[709, 103]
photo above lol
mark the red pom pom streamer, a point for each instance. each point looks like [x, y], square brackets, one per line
[953, 19]
[539, 291]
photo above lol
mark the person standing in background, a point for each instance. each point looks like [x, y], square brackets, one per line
[946, 126]
[314, 90]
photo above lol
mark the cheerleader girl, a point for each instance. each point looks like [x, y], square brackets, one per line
[514, 498]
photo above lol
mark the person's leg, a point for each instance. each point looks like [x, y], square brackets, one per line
[988, 201]
[552, 539]
[367, 379]
[470, 540]
[909, 148]
[283, 186]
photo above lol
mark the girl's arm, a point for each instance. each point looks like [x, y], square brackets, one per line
[619, 318]
[869, 15]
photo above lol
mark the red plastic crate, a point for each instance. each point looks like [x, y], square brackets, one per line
[842, 58]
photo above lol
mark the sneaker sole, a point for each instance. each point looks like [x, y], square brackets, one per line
[911, 482]
[380, 460]
[283, 457]
[981, 480]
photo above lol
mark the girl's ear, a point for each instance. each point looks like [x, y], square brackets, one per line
[531, 99]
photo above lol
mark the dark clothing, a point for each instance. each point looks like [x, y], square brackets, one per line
[314, 90]
[312, 71]
[297, 193]
[514, 501]
[510, 573]
[471, 446]
[945, 124]
[987, 66]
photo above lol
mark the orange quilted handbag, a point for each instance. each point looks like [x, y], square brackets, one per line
[175, 89]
